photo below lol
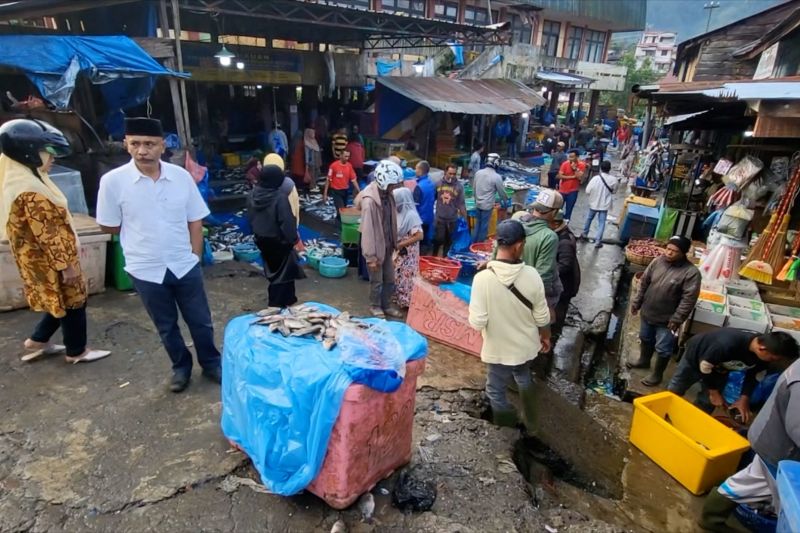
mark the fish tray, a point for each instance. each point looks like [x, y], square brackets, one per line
[438, 269]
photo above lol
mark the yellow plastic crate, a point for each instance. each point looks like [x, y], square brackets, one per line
[231, 159]
[693, 447]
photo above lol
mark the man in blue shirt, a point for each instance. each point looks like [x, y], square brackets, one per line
[425, 198]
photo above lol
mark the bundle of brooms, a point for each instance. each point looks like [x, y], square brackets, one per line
[767, 255]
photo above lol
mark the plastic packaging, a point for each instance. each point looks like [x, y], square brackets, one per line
[412, 493]
[743, 172]
[734, 221]
[461, 238]
[281, 396]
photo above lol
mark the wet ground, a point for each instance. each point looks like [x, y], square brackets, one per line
[105, 447]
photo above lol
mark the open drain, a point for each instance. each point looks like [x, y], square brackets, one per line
[539, 465]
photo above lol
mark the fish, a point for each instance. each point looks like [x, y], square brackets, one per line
[283, 330]
[306, 331]
[366, 504]
[267, 320]
[330, 333]
[269, 311]
[273, 327]
[339, 527]
[296, 323]
[329, 344]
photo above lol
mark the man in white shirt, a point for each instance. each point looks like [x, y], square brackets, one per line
[509, 308]
[158, 212]
[601, 191]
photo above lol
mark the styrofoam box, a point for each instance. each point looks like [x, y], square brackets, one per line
[793, 332]
[743, 287]
[712, 285]
[746, 303]
[784, 310]
[748, 320]
[710, 313]
[93, 264]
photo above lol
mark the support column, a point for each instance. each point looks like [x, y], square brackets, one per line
[593, 101]
[570, 104]
[648, 123]
[173, 83]
[176, 23]
[553, 101]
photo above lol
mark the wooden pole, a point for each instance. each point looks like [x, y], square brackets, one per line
[173, 83]
[176, 22]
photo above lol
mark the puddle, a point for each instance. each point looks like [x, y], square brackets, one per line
[540, 465]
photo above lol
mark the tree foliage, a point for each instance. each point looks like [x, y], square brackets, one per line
[643, 75]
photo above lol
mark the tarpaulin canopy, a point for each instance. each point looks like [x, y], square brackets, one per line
[52, 62]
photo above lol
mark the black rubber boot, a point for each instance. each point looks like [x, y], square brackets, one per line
[646, 352]
[718, 514]
[658, 372]
[529, 414]
[507, 419]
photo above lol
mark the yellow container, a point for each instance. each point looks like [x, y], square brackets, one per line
[693, 447]
[231, 159]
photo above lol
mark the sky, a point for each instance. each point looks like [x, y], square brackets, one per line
[688, 18]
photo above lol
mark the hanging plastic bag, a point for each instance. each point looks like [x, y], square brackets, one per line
[743, 172]
[461, 238]
[734, 221]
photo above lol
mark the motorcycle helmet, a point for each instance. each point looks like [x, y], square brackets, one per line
[388, 173]
[493, 160]
[22, 139]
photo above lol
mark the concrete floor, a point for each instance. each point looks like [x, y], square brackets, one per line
[105, 447]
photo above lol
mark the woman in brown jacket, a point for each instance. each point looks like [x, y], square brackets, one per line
[35, 220]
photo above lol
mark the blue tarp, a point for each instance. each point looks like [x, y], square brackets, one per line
[52, 62]
[281, 395]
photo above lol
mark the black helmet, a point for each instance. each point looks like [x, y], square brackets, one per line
[22, 139]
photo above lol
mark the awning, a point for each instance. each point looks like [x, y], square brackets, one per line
[563, 78]
[472, 97]
[52, 62]
[680, 118]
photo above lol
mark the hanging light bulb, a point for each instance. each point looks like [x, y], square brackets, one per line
[419, 66]
[240, 65]
[225, 56]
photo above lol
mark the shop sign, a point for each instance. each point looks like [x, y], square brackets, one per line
[261, 65]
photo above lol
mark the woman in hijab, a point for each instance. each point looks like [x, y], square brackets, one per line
[313, 157]
[409, 234]
[252, 170]
[275, 230]
[36, 221]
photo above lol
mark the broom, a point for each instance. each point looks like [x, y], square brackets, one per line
[789, 270]
[757, 251]
[760, 270]
[776, 255]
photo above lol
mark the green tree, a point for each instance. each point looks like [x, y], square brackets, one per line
[643, 75]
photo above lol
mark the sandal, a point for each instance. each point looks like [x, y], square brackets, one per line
[88, 356]
[49, 349]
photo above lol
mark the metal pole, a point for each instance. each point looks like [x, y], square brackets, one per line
[173, 83]
[711, 6]
[176, 22]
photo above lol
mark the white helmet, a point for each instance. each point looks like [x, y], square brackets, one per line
[388, 173]
[492, 160]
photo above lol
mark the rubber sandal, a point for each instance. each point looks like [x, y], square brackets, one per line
[49, 350]
[89, 357]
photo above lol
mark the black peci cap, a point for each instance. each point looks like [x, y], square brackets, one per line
[148, 127]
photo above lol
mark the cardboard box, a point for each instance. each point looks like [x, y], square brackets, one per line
[696, 327]
[712, 285]
[748, 320]
[784, 310]
[444, 317]
[744, 288]
[746, 303]
[710, 313]
[784, 322]
[711, 296]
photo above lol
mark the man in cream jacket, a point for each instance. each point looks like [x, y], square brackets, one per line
[508, 307]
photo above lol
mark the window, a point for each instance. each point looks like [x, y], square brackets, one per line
[595, 44]
[520, 30]
[363, 4]
[476, 15]
[664, 53]
[446, 10]
[650, 53]
[574, 43]
[410, 7]
[550, 33]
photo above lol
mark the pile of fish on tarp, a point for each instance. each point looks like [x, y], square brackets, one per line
[518, 176]
[308, 321]
[228, 234]
[322, 248]
[312, 204]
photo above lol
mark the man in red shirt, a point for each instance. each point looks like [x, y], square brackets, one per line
[340, 175]
[570, 175]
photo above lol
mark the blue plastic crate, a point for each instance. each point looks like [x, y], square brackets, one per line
[789, 491]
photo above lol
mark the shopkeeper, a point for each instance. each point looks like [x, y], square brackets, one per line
[711, 356]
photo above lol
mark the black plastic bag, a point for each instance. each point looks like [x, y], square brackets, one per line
[412, 493]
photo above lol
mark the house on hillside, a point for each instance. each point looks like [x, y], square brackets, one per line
[660, 48]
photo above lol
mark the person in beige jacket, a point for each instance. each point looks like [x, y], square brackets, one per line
[508, 306]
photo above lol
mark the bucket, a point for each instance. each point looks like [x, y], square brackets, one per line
[350, 233]
[246, 253]
[350, 253]
[332, 267]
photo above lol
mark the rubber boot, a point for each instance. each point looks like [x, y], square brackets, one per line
[658, 372]
[646, 352]
[507, 419]
[718, 514]
[529, 418]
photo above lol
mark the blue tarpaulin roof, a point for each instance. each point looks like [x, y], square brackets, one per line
[52, 62]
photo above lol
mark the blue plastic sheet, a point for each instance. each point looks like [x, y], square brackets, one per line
[461, 237]
[281, 396]
[461, 290]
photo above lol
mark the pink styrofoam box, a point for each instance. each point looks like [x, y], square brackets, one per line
[370, 440]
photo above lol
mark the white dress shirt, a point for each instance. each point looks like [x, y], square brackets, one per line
[154, 218]
[600, 197]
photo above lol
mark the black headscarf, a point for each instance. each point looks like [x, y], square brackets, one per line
[271, 177]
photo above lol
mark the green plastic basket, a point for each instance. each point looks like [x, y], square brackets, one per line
[350, 234]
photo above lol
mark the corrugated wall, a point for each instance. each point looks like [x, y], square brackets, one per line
[628, 13]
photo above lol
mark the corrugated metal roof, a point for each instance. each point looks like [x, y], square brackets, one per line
[563, 78]
[473, 97]
[770, 89]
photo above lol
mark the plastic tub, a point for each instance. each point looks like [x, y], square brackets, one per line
[469, 264]
[222, 255]
[350, 215]
[370, 440]
[246, 253]
[485, 248]
[313, 258]
[789, 491]
[693, 447]
[350, 253]
[350, 233]
[438, 269]
[333, 267]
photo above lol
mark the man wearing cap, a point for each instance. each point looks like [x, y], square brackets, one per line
[667, 294]
[569, 269]
[570, 174]
[541, 243]
[508, 306]
[487, 183]
[158, 212]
